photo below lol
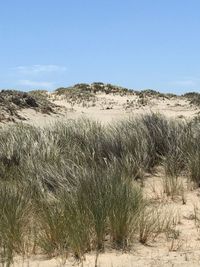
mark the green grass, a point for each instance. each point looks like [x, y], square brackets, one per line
[15, 218]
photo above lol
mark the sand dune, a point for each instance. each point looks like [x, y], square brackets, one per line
[111, 107]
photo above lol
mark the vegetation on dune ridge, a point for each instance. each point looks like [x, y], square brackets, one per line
[11, 101]
[87, 94]
[82, 89]
[83, 93]
[193, 97]
[108, 88]
[72, 187]
[93, 88]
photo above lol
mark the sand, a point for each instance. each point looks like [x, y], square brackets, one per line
[110, 107]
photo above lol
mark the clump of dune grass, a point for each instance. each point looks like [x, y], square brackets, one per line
[178, 143]
[173, 186]
[15, 210]
[130, 143]
[154, 221]
[78, 225]
[93, 191]
[126, 202]
[52, 238]
[193, 153]
[156, 129]
[194, 166]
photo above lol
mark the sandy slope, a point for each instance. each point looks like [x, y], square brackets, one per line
[107, 108]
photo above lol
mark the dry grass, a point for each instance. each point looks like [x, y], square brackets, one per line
[76, 186]
[11, 102]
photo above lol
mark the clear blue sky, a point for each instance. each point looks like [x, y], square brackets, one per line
[136, 44]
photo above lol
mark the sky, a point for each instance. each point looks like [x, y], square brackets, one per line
[46, 44]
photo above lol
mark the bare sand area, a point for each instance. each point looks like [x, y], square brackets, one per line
[111, 107]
